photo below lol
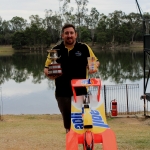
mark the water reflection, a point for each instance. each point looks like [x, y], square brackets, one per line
[26, 90]
[118, 66]
[28, 98]
[121, 66]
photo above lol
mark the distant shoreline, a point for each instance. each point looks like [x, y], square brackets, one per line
[135, 46]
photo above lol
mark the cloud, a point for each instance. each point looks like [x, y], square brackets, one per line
[9, 14]
[23, 87]
[24, 9]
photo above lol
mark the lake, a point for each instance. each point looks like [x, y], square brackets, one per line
[26, 90]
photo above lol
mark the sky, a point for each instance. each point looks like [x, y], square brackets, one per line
[26, 8]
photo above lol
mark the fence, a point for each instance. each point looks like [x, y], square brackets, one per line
[126, 95]
[147, 108]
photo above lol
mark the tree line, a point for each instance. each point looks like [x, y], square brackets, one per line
[116, 28]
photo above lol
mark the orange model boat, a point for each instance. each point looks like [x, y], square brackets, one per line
[88, 120]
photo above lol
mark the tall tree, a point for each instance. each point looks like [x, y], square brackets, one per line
[6, 32]
[80, 14]
[115, 21]
[134, 20]
[18, 40]
[52, 23]
[35, 19]
[94, 18]
[66, 12]
[18, 24]
[1, 37]
[34, 35]
[102, 30]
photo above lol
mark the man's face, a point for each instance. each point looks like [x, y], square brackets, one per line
[69, 36]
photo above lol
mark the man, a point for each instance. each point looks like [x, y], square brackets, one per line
[73, 60]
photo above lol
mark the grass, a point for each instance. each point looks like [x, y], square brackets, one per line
[6, 50]
[136, 46]
[46, 132]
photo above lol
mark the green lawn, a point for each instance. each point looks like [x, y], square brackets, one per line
[6, 50]
[46, 132]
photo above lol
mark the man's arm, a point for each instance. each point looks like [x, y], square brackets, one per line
[47, 63]
[46, 71]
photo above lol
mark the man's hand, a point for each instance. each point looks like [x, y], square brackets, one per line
[97, 64]
[94, 71]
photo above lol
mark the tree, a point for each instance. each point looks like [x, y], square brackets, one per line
[18, 24]
[52, 24]
[102, 30]
[44, 38]
[123, 36]
[115, 21]
[6, 32]
[18, 40]
[0, 24]
[80, 14]
[35, 19]
[65, 12]
[134, 20]
[94, 18]
[85, 34]
[1, 37]
[87, 21]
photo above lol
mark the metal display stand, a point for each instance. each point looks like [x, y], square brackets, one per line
[146, 59]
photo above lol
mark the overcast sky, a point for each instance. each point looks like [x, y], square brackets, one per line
[26, 8]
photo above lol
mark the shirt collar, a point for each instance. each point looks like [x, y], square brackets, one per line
[69, 48]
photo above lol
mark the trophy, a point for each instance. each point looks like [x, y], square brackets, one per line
[54, 68]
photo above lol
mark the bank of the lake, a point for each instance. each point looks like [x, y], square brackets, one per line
[6, 50]
[136, 46]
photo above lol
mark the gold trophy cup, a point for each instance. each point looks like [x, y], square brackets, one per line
[54, 69]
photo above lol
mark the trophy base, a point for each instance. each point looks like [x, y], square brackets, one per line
[54, 73]
[54, 70]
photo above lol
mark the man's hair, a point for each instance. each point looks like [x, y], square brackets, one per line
[67, 25]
